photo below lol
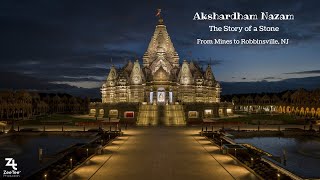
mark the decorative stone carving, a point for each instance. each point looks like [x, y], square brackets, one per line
[112, 77]
[185, 76]
[161, 75]
[210, 80]
[136, 76]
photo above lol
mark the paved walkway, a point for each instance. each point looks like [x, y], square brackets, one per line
[162, 153]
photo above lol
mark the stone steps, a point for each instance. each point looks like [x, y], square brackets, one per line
[169, 115]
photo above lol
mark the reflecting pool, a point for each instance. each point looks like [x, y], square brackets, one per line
[303, 153]
[24, 149]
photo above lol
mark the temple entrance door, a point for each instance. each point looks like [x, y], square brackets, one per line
[161, 96]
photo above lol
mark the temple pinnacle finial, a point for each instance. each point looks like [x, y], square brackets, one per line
[159, 15]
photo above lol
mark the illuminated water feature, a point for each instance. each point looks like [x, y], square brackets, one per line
[303, 153]
[24, 149]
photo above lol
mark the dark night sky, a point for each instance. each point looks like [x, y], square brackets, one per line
[72, 42]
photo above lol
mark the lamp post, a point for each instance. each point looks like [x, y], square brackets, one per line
[45, 176]
[278, 175]
[220, 144]
[87, 152]
[252, 162]
[235, 152]
[40, 154]
[71, 163]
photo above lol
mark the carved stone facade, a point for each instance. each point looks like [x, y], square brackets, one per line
[161, 78]
[161, 89]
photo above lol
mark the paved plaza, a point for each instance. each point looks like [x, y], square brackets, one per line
[161, 153]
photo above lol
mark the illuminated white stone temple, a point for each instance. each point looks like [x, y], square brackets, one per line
[160, 89]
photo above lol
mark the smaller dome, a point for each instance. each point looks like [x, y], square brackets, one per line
[161, 75]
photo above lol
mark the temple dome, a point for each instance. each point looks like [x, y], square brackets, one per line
[161, 75]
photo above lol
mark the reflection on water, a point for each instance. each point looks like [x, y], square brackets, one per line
[24, 149]
[303, 153]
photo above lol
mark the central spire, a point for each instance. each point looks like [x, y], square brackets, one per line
[160, 46]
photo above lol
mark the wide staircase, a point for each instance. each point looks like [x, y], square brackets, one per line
[148, 115]
[174, 115]
[169, 115]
